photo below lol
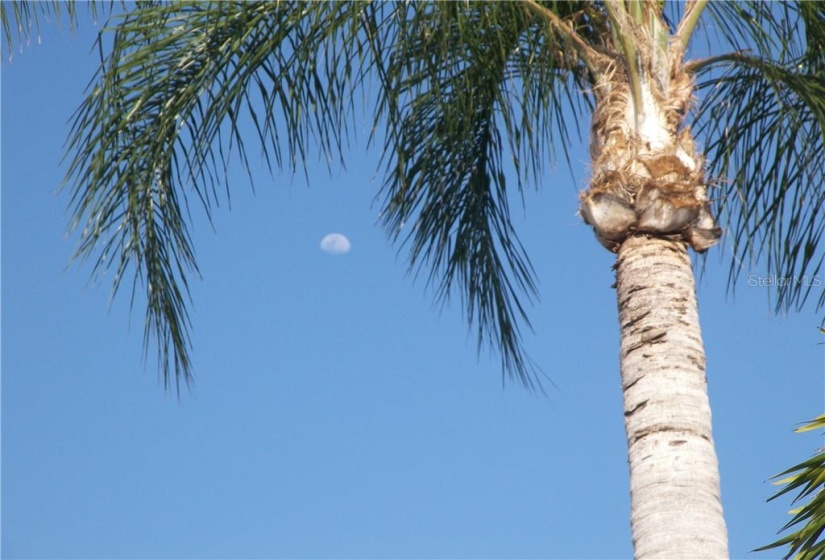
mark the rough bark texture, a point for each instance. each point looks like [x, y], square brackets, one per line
[676, 510]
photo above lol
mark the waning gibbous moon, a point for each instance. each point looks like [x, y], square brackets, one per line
[335, 244]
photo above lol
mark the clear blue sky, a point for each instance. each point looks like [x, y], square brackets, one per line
[337, 412]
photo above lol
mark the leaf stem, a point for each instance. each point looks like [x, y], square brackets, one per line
[623, 40]
[586, 52]
[692, 12]
[697, 65]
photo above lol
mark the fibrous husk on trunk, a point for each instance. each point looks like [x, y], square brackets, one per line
[647, 177]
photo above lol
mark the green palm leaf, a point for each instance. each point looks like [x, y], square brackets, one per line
[21, 19]
[764, 122]
[461, 83]
[163, 119]
[808, 478]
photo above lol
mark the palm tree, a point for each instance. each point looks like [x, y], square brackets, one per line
[462, 92]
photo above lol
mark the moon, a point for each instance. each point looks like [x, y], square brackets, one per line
[335, 244]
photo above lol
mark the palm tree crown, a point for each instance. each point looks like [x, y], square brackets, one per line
[464, 91]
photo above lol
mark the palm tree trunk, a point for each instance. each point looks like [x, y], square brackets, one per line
[676, 510]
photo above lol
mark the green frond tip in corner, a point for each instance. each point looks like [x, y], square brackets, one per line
[21, 20]
[808, 478]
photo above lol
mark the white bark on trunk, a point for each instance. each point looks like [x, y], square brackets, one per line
[676, 510]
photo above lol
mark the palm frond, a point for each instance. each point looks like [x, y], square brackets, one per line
[808, 478]
[164, 117]
[460, 83]
[763, 117]
[21, 19]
